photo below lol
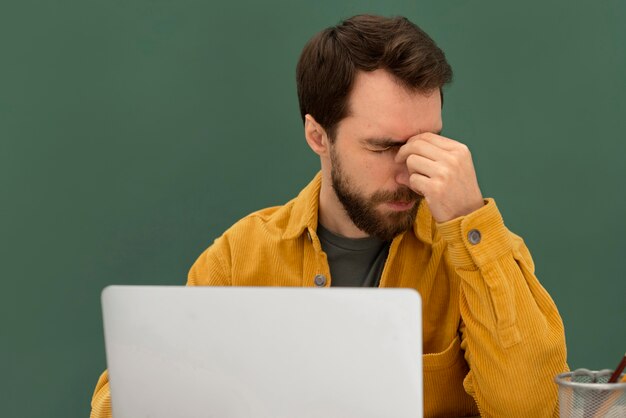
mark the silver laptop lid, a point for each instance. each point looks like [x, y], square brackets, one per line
[263, 352]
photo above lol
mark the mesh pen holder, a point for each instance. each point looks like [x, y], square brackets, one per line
[586, 394]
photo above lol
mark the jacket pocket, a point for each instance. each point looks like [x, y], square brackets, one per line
[447, 358]
[443, 383]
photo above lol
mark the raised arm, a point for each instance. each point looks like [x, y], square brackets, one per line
[512, 333]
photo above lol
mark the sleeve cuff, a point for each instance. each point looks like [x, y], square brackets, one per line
[476, 239]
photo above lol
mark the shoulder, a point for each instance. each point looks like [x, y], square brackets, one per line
[272, 220]
[261, 234]
[258, 229]
[281, 222]
[253, 237]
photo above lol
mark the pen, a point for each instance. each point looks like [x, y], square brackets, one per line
[618, 371]
[608, 403]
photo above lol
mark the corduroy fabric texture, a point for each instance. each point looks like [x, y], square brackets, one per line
[493, 338]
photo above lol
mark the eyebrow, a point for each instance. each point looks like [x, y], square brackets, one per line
[389, 142]
[384, 142]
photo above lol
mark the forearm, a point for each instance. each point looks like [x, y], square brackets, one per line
[512, 333]
[513, 341]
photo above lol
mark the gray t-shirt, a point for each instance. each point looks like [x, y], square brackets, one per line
[353, 262]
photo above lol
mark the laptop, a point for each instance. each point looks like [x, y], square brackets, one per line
[235, 352]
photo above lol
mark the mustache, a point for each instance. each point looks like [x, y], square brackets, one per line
[403, 194]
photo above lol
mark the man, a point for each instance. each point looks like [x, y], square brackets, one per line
[398, 205]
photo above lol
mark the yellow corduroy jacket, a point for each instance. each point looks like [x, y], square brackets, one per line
[493, 338]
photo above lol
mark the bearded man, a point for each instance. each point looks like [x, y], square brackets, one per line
[396, 204]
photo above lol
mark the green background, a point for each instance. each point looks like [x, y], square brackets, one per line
[132, 133]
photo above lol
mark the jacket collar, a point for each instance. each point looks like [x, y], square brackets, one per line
[304, 214]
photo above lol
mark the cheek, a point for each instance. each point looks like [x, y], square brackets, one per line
[379, 168]
[371, 166]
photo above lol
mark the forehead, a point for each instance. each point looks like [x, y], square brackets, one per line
[378, 105]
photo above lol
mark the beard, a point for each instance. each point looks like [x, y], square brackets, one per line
[362, 210]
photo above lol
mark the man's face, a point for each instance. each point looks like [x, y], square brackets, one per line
[370, 185]
[364, 210]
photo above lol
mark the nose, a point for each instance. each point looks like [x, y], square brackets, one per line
[402, 174]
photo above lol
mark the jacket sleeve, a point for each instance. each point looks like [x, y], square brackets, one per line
[511, 331]
[210, 269]
[101, 400]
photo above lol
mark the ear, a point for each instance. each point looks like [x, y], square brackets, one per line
[316, 136]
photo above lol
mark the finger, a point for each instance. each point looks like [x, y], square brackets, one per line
[439, 141]
[421, 165]
[420, 147]
[419, 183]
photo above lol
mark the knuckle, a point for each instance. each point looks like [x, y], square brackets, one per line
[445, 173]
[420, 145]
[465, 151]
[454, 163]
[438, 189]
[416, 184]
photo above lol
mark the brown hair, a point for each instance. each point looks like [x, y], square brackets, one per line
[330, 61]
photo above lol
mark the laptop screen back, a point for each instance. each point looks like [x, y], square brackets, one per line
[263, 352]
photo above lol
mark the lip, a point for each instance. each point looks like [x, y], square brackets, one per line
[400, 205]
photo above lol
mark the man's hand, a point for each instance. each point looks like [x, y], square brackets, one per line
[441, 170]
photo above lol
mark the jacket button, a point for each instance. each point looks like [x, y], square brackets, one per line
[320, 280]
[474, 236]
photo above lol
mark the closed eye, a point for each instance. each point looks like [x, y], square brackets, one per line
[389, 148]
[382, 145]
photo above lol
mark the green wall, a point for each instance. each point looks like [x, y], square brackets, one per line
[133, 132]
